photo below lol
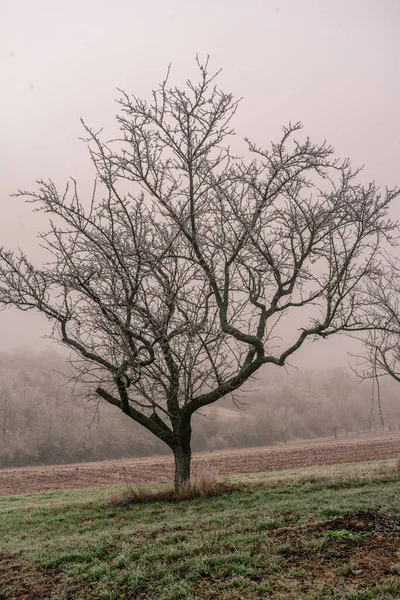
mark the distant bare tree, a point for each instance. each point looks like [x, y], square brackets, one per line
[382, 355]
[284, 434]
[5, 405]
[169, 284]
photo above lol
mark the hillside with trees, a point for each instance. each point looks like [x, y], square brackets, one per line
[44, 420]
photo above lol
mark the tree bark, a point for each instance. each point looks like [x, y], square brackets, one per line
[183, 457]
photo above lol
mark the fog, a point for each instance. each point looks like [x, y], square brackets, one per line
[332, 65]
[43, 420]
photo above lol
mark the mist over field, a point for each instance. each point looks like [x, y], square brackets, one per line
[44, 421]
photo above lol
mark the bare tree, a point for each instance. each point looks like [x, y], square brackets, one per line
[171, 283]
[382, 345]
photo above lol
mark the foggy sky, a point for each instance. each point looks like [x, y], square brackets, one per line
[334, 65]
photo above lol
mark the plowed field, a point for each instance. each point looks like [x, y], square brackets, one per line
[229, 462]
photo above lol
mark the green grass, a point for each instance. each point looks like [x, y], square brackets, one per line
[264, 541]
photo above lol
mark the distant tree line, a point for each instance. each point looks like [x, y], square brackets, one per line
[44, 421]
[304, 405]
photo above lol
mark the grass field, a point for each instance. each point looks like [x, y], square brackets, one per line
[305, 534]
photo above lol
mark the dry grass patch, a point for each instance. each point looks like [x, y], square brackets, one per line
[204, 486]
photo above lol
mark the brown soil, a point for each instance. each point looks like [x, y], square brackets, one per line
[25, 580]
[365, 562]
[365, 521]
[147, 470]
[369, 558]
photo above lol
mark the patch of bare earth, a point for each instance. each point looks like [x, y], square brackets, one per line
[155, 469]
[20, 580]
[370, 558]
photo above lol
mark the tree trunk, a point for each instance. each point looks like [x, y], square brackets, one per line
[182, 450]
[183, 457]
[182, 453]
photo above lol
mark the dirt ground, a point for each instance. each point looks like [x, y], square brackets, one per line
[228, 462]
